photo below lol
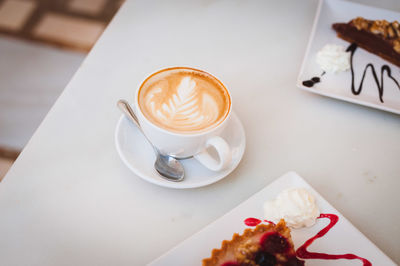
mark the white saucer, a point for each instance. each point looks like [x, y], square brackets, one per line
[139, 157]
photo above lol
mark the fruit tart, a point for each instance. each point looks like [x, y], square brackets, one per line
[266, 244]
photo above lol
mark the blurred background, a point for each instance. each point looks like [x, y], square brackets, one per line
[42, 44]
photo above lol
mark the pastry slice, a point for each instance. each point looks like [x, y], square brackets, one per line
[264, 245]
[376, 36]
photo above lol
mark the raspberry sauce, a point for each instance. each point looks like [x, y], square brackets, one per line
[302, 251]
[304, 254]
[254, 221]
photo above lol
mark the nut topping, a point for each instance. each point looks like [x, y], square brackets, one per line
[379, 27]
[360, 23]
[396, 46]
[389, 31]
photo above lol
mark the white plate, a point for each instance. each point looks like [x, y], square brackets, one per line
[339, 85]
[139, 157]
[342, 238]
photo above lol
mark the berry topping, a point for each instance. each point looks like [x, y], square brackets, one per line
[274, 242]
[230, 263]
[265, 259]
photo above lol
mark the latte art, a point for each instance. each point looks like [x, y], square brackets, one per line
[184, 101]
[185, 109]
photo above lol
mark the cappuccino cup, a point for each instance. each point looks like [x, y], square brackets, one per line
[183, 112]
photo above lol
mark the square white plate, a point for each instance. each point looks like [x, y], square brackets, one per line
[342, 238]
[339, 85]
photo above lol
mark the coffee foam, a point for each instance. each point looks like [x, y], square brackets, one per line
[184, 101]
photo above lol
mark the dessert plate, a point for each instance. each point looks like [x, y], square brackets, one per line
[139, 157]
[339, 85]
[342, 238]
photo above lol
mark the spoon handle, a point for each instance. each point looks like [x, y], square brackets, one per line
[126, 108]
[167, 166]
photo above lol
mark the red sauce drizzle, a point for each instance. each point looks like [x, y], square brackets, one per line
[252, 221]
[270, 222]
[304, 254]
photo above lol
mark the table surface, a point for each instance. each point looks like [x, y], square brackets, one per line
[69, 200]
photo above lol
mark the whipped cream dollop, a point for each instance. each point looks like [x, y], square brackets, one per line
[296, 206]
[333, 58]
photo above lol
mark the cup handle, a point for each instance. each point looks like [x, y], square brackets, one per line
[223, 151]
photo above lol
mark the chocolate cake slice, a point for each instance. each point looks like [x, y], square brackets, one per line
[376, 36]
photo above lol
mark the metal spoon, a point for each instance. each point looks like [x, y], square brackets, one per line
[167, 166]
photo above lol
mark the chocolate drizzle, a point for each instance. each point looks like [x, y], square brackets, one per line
[379, 83]
[312, 81]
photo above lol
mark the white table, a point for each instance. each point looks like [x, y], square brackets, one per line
[69, 200]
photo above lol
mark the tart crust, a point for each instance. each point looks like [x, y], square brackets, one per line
[241, 248]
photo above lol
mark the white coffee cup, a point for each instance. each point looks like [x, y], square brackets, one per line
[200, 144]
